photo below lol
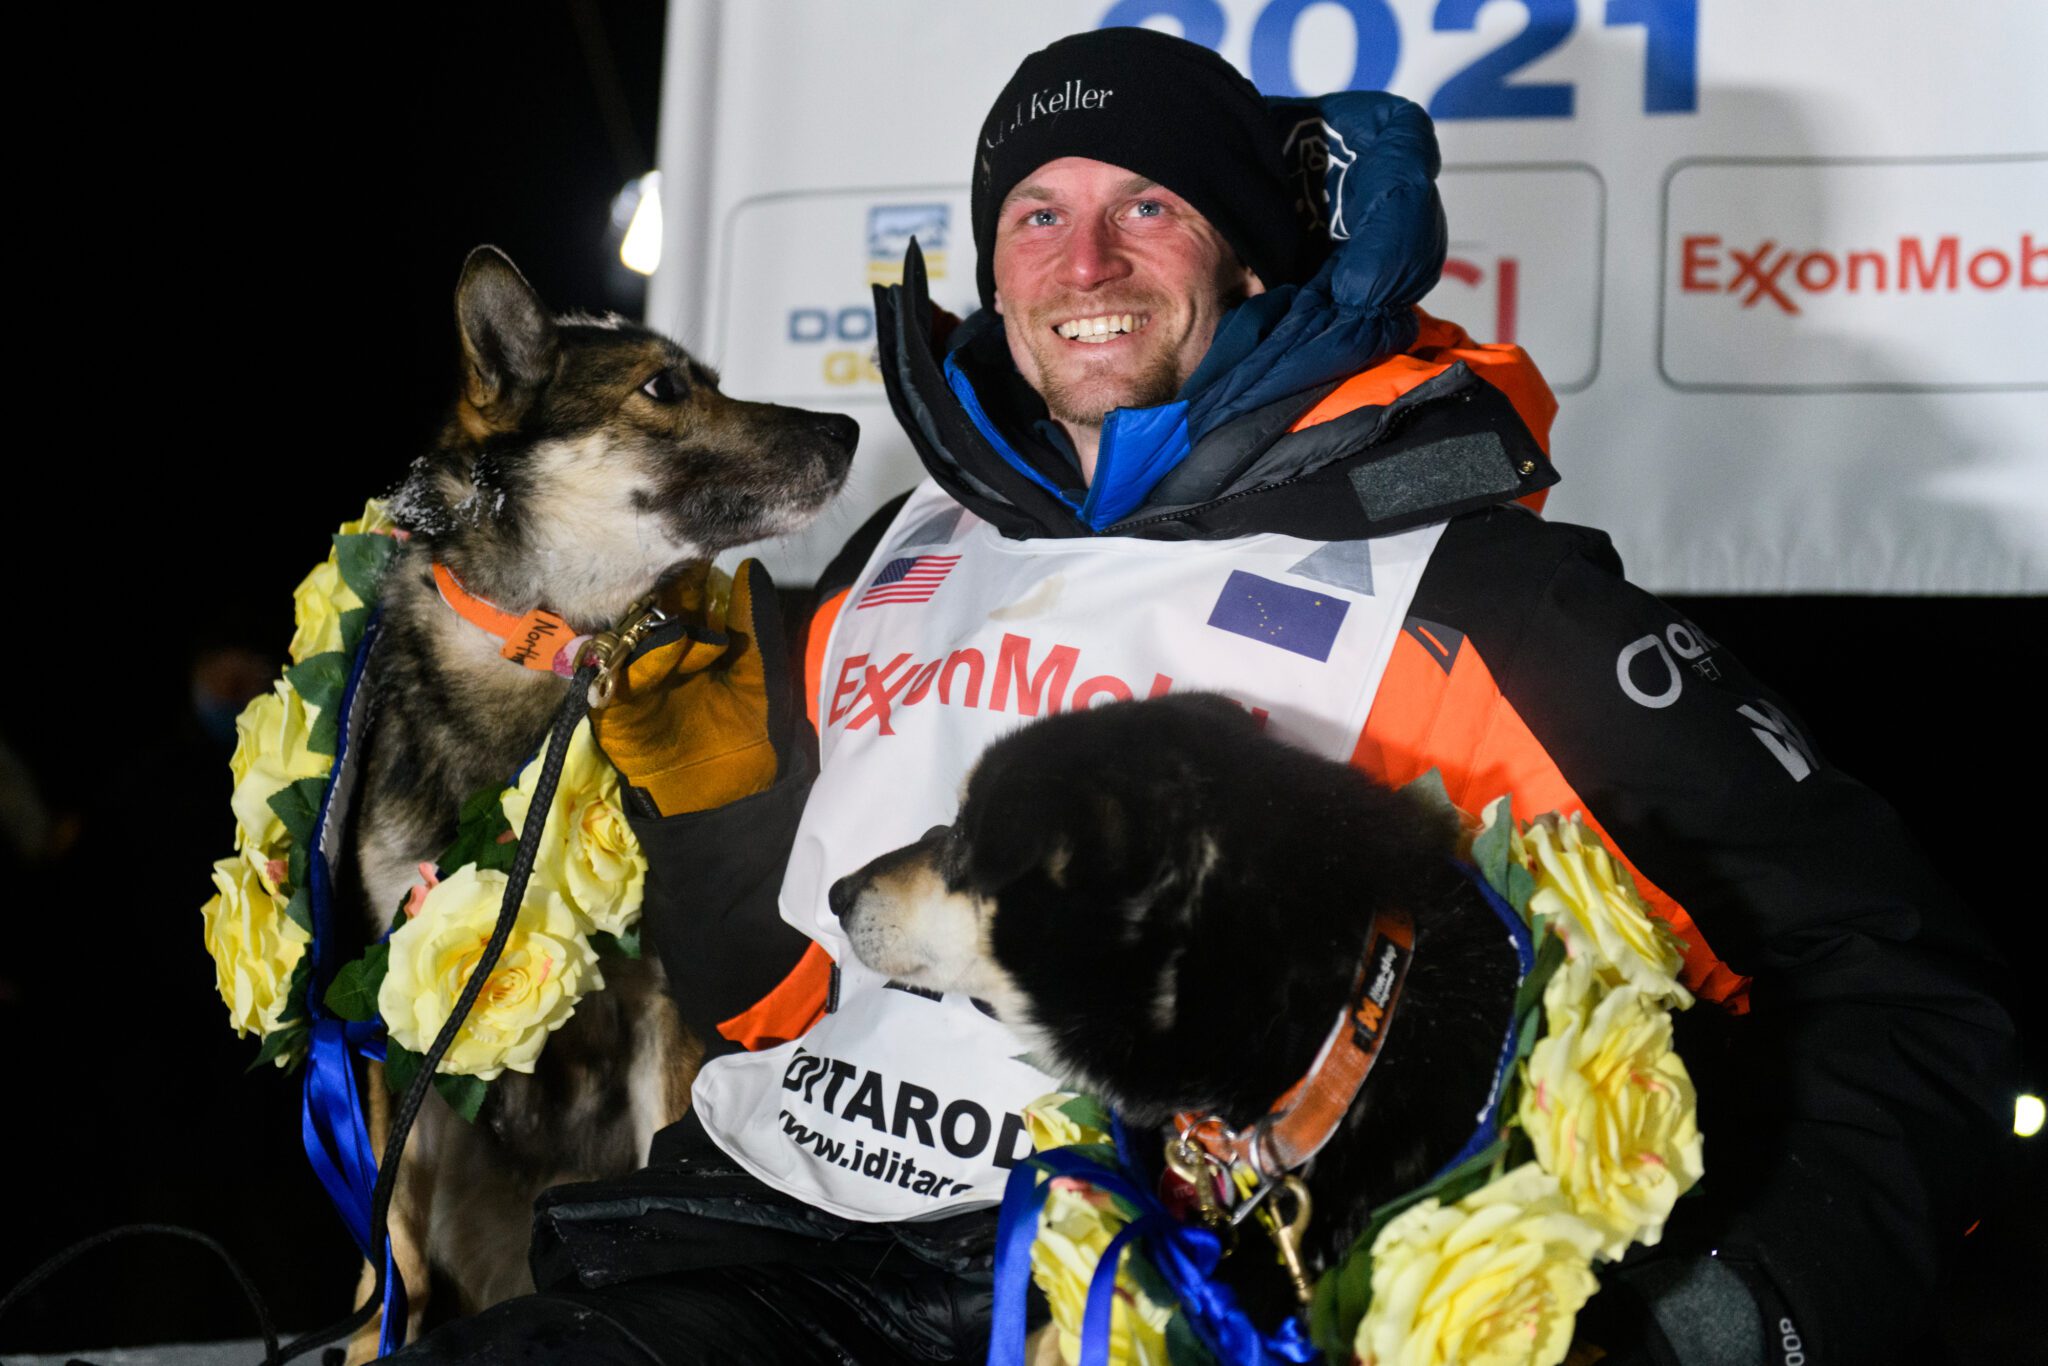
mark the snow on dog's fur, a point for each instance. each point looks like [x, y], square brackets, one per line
[584, 461]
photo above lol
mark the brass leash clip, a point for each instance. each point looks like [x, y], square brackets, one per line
[1287, 1237]
[609, 650]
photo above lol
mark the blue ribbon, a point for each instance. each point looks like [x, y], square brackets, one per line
[1185, 1256]
[331, 1126]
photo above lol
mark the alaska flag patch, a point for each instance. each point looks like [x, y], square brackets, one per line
[1296, 619]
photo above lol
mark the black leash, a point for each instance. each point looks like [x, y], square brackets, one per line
[566, 720]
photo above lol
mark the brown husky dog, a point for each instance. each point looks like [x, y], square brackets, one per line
[586, 460]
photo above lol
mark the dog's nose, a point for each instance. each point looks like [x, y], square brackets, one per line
[839, 429]
[843, 894]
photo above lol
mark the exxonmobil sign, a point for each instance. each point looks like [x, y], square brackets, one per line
[1781, 275]
[1823, 275]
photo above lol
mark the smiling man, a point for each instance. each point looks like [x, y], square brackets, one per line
[1110, 288]
[1199, 438]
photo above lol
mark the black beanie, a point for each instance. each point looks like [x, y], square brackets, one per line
[1162, 107]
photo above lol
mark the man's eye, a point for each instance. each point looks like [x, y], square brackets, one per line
[1041, 218]
[1148, 208]
[664, 387]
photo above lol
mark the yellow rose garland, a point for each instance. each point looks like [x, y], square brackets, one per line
[1490, 1263]
[1495, 1280]
[256, 948]
[1609, 1107]
[588, 853]
[1074, 1231]
[547, 966]
[585, 892]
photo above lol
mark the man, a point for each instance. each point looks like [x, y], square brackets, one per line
[1169, 391]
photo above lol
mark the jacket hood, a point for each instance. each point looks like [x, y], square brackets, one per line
[1252, 442]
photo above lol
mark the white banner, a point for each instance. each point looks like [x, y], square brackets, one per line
[1786, 266]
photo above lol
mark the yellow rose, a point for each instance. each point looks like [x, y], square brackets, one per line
[587, 853]
[1073, 1233]
[254, 947]
[1594, 904]
[270, 755]
[1494, 1280]
[317, 604]
[1610, 1108]
[546, 968]
[373, 519]
[1050, 1126]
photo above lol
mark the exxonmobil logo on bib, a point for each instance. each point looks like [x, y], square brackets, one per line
[1832, 275]
[1021, 676]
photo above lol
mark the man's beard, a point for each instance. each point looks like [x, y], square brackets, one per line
[1084, 402]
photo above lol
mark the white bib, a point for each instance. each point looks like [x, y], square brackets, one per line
[899, 1106]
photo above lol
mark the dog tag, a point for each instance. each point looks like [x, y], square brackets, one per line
[1196, 1169]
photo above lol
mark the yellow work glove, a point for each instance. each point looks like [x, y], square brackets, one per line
[702, 714]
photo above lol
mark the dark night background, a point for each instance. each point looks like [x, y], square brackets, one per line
[249, 239]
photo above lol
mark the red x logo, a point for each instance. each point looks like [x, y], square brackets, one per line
[1752, 268]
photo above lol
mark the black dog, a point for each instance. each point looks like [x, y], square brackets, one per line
[1170, 909]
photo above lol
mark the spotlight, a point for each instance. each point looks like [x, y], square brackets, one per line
[2027, 1113]
[636, 213]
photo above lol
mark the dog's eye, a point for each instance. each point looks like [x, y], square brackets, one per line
[664, 387]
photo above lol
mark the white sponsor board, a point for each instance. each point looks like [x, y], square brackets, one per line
[1856, 275]
[1610, 166]
[1540, 291]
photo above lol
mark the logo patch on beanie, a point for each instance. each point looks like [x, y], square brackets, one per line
[1317, 158]
[1067, 97]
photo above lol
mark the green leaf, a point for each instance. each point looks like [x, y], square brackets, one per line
[465, 1095]
[299, 813]
[1087, 1112]
[287, 1042]
[295, 991]
[626, 945]
[324, 735]
[1493, 851]
[353, 992]
[320, 679]
[363, 559]
[1521, 886]
[354, 622]
[1146, 1276]
[1429, 789]
[299, 910]
[1183, 1348]
[481, 804]
[1102, 1153]
[1322, 1315]
[295, 861]
[497, 854]
[401, 1065]
[1549, 958]
[477, 835]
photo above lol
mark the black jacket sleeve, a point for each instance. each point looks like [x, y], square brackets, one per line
[1853, 1116]
[714, 878]
[712, 903]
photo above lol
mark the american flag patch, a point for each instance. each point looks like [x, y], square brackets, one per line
[911, 579]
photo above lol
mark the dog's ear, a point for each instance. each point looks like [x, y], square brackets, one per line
[508, 342]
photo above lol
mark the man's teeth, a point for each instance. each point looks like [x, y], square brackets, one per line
[1098, 329]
